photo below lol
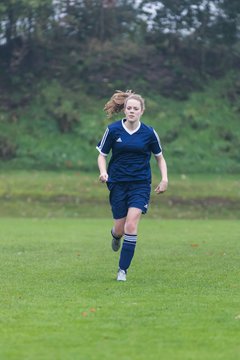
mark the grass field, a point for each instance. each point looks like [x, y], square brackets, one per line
[80, 195]
[60, 300]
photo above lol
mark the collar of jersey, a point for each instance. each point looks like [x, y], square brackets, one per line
[129, 131]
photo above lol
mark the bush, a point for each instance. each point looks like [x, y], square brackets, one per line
[7, 149]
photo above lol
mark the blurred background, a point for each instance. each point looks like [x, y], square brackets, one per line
[61, 60]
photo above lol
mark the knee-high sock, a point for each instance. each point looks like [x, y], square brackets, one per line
[127, 251]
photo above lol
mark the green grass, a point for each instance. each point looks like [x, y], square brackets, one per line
[60, 300]
[73, 194]
[200, 134]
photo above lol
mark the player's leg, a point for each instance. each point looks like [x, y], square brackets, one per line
[138, 199]
[118, 227]
[118, 202]
[129, 242]
[117, 233]
[132, 220]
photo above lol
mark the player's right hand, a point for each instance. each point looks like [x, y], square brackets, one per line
[103, 177]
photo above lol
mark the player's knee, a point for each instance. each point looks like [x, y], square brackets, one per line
[118, 230]
[130, 227]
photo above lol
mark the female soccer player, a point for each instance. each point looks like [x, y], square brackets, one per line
[128, 176]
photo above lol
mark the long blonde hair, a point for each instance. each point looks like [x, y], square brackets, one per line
[118, 101]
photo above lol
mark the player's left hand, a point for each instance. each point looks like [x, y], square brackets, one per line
[162, 187]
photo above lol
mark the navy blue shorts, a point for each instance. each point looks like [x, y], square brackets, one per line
[124, 195]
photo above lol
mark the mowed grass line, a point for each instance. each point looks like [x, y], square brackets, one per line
[60, 300]
[48, 194]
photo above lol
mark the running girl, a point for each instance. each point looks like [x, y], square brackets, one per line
[128, 175]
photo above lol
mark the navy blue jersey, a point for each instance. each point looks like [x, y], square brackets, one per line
[131, 151]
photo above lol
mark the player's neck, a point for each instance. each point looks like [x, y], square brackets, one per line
[132, 125]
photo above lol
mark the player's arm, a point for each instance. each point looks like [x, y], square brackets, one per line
[104, 146]
[102, 165]
[162, 186]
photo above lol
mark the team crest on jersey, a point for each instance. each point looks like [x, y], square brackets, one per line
[119, 140]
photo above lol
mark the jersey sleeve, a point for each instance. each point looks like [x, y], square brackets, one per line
[105, 145]
[156, 147]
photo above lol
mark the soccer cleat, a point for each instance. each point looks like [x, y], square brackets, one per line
[116, 242]
[121, 275]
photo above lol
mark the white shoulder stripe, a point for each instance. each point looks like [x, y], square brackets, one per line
[101, 151]
[158, 140]
[104, 139]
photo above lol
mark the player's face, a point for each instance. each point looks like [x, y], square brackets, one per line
[133, 110]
